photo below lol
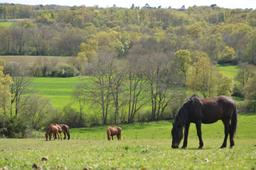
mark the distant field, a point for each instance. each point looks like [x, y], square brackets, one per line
[144, 146]
[229, 71]
[59, 90]
[6, 24]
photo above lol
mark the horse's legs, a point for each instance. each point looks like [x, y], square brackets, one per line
[60, 135]
[112, 137]
[118, 136]
[231, 137]
[64, 135]
[226, 131]
[185, 141]
[199, 134]
[46, 136]
[68, 134]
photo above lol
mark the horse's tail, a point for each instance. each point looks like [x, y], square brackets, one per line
[233, 124]
[108, 133]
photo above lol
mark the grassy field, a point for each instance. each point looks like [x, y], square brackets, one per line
[6, 24]
[59, 90]
[229, 71]
[144, 146]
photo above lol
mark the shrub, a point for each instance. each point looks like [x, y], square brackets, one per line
[72, 117]
[64, 70]
[227, 56]
[238, 91]
[13, 127]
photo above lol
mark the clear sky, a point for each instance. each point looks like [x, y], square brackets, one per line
[153, 3]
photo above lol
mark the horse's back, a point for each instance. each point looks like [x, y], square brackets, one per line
[114, 130]
[52, 128]
[64, 127]
[228, 101]
[217, 108]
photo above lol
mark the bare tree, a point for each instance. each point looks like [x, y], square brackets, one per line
[156, 72]
[116, 90]
[136, 87]
[80, 97]
[102, 69]
[17, 37]
[18, 88]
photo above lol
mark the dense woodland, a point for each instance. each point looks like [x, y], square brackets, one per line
[139, 60]
[226, 35]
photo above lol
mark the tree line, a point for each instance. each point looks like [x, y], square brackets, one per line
[226, 35]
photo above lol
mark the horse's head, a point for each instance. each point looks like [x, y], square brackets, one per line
[190, 106]
[177, 129]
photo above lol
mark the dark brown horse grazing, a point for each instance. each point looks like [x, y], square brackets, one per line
[112, 131]
[52, 130]
[65, 130]
[207, 111]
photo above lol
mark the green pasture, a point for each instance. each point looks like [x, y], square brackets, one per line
[60, 90]
[229, 71]
[161, 130]
[6, 24]
[144, 146]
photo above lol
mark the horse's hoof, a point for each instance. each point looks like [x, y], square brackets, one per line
[184, 147]
[222, 147]
[200, 147]
[175, 147]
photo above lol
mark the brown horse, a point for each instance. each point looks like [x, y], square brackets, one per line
[59, 131]
[52, 130]
[55, 130]
[65, 130]
[199, 111]
[112, 131]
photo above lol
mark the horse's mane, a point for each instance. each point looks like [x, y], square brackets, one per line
[194, 97]
[181, 117]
